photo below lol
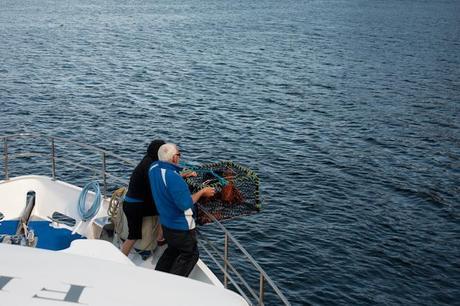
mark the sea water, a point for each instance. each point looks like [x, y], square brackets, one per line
[347, 109]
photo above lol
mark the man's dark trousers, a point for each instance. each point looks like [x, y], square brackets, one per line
[182, 253]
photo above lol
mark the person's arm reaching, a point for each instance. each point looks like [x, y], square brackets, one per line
[188, 173]
[206, 192]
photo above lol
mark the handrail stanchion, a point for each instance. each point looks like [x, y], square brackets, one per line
[225, 260]
[261, 289]
[5, 155]
[53, 159]
[104, 176]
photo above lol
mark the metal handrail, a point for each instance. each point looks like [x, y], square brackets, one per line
[5, 157]
[53, 140]
[83, 145]
[219, 265]
[101, 172]
[226, 268]
[263, 275]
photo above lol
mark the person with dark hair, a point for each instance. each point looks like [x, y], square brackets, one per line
[174, 203]
[138, 202]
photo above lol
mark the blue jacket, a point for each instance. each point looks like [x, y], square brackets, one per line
[172, 196]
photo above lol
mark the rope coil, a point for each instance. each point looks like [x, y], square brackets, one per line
[92, 211]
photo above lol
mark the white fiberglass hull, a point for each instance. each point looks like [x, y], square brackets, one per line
[30, 276]
[88, 271]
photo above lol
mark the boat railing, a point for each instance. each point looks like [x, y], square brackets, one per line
[56, 151]
[231, 275]
[102, 174]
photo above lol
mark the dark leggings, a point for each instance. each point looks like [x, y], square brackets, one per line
[182, 253]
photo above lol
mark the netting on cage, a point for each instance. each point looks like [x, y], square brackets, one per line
[237, 190]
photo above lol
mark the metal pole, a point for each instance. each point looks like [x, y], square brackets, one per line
[5, 157]
[104, 176]
[225, 260]
[53, 159]
[261, 289]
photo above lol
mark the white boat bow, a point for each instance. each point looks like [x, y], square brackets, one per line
[31, 276]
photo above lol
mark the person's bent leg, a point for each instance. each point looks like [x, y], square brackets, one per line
[184, 264]
[134, 219]
[167, 259]
[169, 256]
[127, 246]
[188, 253]
[160, 239]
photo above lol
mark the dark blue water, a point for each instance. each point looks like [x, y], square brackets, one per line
[347, 109]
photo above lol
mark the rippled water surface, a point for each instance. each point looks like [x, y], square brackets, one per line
[348, 111]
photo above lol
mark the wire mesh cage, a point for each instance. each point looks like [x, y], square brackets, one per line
[237, 190]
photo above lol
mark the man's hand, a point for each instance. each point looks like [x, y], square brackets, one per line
[208, 191]
[187, 174]
[205, 192]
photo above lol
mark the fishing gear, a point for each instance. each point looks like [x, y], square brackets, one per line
[237, 190]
